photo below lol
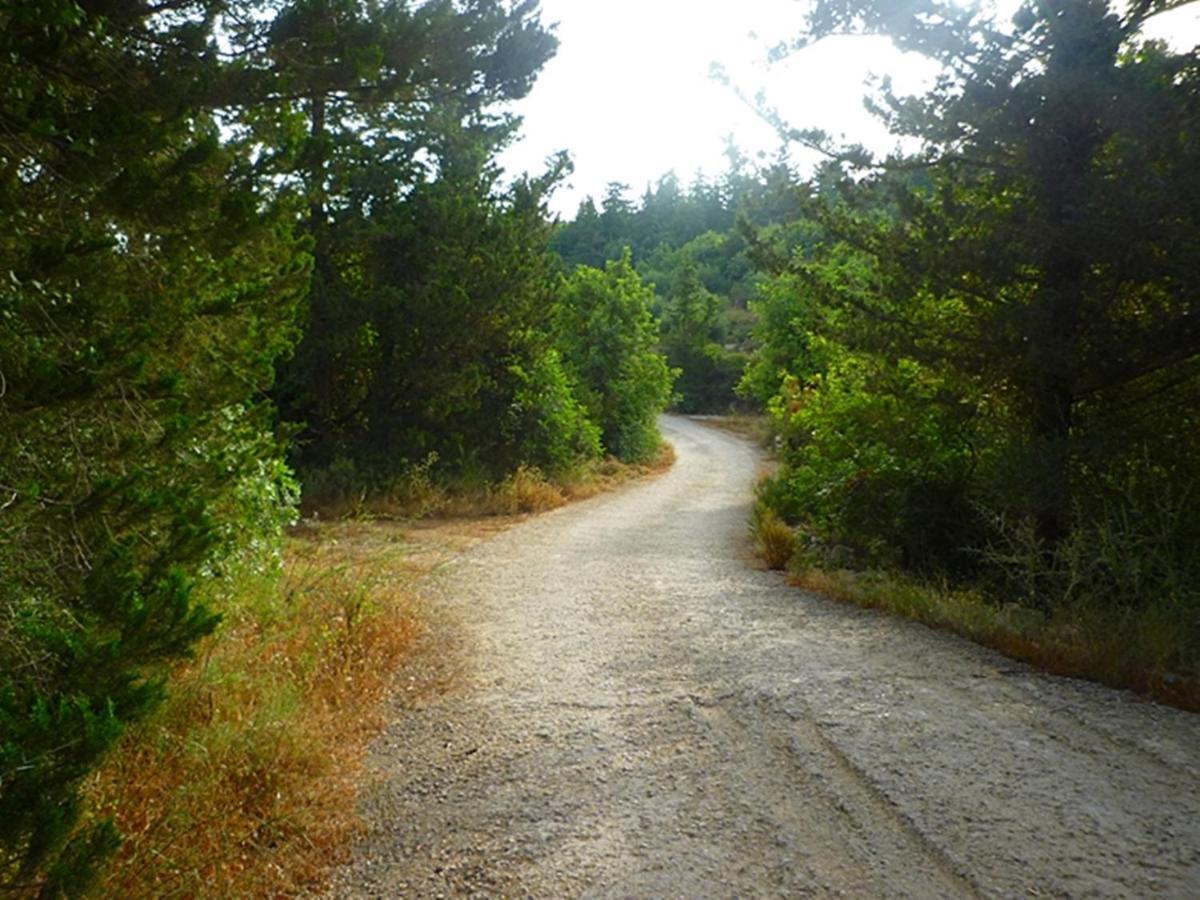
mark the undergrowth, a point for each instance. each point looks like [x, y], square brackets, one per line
[1151, 649]
[243, 783]
[419, 494]
[754, 427]
[1136, 650]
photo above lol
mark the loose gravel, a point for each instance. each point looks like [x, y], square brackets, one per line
[618, 703]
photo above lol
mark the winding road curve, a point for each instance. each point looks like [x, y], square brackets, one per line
[638, 711]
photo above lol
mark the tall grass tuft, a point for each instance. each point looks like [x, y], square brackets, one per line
[526, 490]
[773, 538]
[242, 784]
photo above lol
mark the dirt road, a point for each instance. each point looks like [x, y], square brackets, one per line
[638, 712]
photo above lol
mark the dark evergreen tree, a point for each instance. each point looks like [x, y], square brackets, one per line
[460, 291]
[390, 109]
[147, 289]
[1036, 259]
[1053, 250]
[582, 242]
[694, 330]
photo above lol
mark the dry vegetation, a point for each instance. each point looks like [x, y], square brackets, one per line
[1135, 650]
[416, 495]
[773, 538]
[244, 783]
[751, 426]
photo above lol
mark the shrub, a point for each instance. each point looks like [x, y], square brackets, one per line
[243, 782]
[545, 424]
[1134, 549]
[872, 465]
[609, 339]
[773, 538]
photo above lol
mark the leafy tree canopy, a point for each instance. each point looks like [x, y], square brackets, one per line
[1043, 241]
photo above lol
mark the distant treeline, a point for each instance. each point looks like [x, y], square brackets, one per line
[691, 245]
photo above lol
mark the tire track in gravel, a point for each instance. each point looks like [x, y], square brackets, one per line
[640, 712]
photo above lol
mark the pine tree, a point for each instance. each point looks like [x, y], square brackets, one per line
[1044, 243]
[146, 291]
[380, 109]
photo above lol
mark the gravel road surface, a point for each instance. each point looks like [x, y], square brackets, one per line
[629, 708]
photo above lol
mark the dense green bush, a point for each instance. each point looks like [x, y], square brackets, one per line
[785, 321]
[609, 339]
[871, 465]
[146, 291]
[546, 424]
[445, 321]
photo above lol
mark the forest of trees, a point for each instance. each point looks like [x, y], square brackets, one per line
[986, 358]
[252, 249]
[688, 245]
[245, 239]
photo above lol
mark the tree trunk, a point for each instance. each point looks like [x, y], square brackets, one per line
[318, 223]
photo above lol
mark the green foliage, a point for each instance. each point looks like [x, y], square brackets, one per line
[686, 245]
[1050, 267]
[693, 328]
[872, 465]
[716, 260]
[427, 328]
[708, 375]
[441, 343]
[667, 216]
[785, 318]
[985, 359]
[608, 339]
[146, 289]
[1134, 550]
[546, 420]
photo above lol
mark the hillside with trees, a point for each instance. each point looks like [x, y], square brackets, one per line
[244, 240]
[686, 246]
[260, 256]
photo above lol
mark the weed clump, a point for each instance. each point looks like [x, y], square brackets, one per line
[773, 538]
[243, 782]
[526, 490]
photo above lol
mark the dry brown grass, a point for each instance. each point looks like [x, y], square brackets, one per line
[597, 478]
[245, 782]
[773, 539]
[753, 427]
[527, 490]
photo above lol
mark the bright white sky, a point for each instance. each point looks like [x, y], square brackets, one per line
[630, 97]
